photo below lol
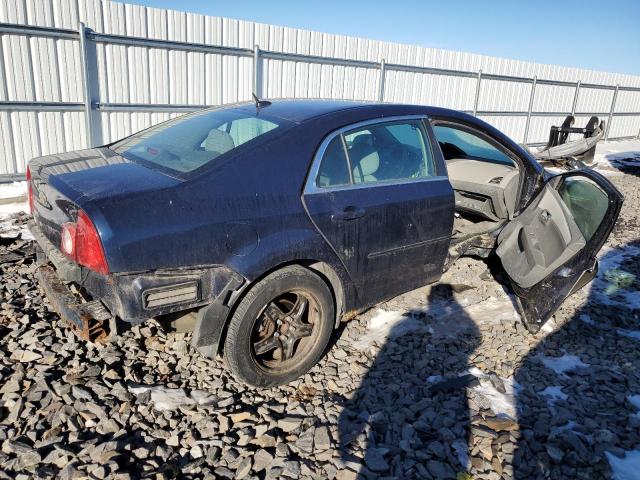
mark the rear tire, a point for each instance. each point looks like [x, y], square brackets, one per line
[280, 328]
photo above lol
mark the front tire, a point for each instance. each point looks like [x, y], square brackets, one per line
[280, 328]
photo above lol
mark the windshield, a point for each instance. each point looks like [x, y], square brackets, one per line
[191, 141]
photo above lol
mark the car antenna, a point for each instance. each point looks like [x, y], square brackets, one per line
[260, 103]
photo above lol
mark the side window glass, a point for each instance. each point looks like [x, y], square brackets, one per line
[334, 169]
[456, 143]
[389, 151]
[587, 203]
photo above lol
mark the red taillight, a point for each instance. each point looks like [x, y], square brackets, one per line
[81, 243]
[30, 190]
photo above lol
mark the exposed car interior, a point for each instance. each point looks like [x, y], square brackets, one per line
[377, 153]
[187, 143]
[485, 180]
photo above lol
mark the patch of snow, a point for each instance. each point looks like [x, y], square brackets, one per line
[164, 398]
[475, 371]
[626, 468]
[389, 324]
[616, 154]
[7, 225]
[8, 209]
[444, 319]
[449, 319]
[502, 404]
[612, 284]
[549, 326]
[563, 364]
[13, 190]
[554, 393]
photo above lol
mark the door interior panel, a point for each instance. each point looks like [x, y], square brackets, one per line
[540, 240]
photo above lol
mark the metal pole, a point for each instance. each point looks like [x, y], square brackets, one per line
[475, 103]
[533, 94]
[381, 81]
[90, 86]
[613, 107]
[257, 72]
[575, 98]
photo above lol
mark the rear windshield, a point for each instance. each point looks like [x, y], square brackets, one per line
[192, 141]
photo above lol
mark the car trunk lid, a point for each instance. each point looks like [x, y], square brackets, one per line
[61, 184]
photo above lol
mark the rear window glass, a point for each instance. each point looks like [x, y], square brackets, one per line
[191, 141]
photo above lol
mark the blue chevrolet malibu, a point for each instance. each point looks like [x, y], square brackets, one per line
[260, 226]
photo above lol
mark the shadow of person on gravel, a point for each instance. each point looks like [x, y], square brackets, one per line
[579, 389]
[409, 417]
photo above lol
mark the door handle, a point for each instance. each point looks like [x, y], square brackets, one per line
[349, 213]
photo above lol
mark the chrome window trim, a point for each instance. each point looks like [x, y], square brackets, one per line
[310, 185]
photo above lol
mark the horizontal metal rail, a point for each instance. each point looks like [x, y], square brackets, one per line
[168, 44]
[42, 106]
[17, 29]
[12, 177]
[298, 57]
[169, 107]
[92, 106]
[498, 113]
[146, 107]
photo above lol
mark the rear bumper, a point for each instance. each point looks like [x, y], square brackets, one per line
[130, 297]
[87, 319]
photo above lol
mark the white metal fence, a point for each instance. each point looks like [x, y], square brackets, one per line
[77, 73]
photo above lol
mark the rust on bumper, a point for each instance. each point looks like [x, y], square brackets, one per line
[88, 320]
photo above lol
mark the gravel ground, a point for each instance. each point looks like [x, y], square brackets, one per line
[442, 382]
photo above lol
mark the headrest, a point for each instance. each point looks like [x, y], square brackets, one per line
[366, 166]
[218, 141]
[362, 140]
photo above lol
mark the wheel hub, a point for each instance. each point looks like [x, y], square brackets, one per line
[283, 327]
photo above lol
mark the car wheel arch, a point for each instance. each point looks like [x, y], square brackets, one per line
[325, 271]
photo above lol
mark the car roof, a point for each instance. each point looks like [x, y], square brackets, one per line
[297, 110]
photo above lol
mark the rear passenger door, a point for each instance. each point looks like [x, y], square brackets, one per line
[384, 203]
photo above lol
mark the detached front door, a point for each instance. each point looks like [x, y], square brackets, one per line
[384, 206]
[549, 251]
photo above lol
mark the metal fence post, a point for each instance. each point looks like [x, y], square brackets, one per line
[475, 102]
[381, 80]
[613, 107]
[90, 84]
[257, 71]
[575, 97]
[531, 98]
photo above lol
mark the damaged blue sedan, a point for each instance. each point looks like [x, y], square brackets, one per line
[261, 226]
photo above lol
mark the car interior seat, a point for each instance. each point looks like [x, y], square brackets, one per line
[365, 159]
[218, 141]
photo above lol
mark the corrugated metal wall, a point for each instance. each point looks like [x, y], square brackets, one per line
[35, 69]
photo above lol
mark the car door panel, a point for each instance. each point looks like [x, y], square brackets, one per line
[549, 250]
[389, 215]
[544, 237]
[399, 239]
